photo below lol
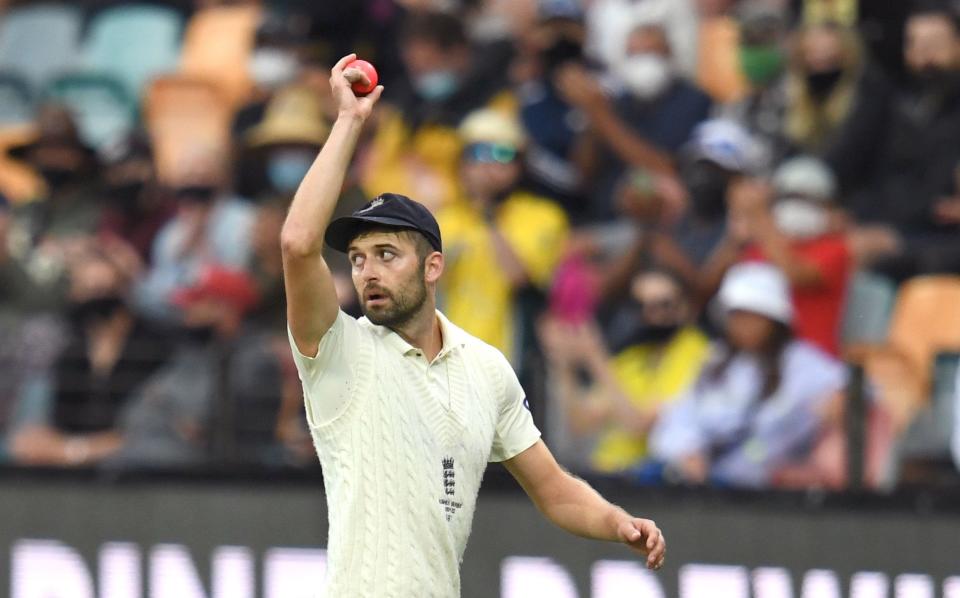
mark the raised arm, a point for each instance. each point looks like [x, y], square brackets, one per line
[311, 298]
[571, 504]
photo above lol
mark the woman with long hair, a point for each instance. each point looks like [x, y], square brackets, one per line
[757, 404]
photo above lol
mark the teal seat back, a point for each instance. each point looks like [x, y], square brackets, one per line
[100, 104]
[134, 43]
[39, 41]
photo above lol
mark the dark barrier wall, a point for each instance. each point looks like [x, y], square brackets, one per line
[179, 539]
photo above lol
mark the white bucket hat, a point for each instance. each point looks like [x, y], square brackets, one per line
[756, 287]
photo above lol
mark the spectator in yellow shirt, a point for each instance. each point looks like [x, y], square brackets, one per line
[627, 390]
[499, 239]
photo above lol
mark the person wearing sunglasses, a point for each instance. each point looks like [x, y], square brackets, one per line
[629, 385]
[502, 237]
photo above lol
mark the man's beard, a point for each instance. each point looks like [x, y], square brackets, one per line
[401, 308]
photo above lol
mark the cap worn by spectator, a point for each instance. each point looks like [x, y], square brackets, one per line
[805, 177]
[759, 288]
[231, 287]
[294, 116]
[727, 144]
[388, 209]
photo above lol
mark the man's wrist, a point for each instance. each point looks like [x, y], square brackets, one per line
[615, 518]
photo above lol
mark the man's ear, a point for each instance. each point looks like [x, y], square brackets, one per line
[433, 267]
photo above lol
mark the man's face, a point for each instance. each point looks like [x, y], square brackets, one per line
[389, 277]
[932, 44]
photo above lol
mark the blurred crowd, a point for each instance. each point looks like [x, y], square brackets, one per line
[685, 222]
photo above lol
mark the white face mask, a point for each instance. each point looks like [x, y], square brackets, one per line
[646, 75]
[800, 219]
[271, 68]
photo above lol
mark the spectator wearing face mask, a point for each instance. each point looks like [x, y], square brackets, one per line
[719, 152]
[609, 24]
[627, 389]
[762, 55]
[73, 412]
[287, 140]
[897, 165]
[217, 398]
[211, 227]
[415, 148]
[799, 233]
[500, 239]
[135, 209]
[828, 79]
[758, 403]
[645, 124]
[71, 204]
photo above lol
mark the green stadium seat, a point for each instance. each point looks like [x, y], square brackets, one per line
[868, 307]
[134, 43]
[39, 41]
[100, 103]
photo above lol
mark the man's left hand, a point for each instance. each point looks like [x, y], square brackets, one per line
[644, 537]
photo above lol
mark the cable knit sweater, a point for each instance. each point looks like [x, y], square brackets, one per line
[403, 444]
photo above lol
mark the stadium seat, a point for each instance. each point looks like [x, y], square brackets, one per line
[217, 46]
[16, 100]
[183, 116]
[925, 322]
[17, 180]
[39, 41]
[924, 450]
[868, 307]
[100, 104]
[134, 43]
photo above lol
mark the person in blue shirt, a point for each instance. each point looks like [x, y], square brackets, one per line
[758, 402]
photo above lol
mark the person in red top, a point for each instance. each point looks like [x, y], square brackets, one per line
[799, 232]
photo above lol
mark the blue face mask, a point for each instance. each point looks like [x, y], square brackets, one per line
[436, 86]
[286, 169]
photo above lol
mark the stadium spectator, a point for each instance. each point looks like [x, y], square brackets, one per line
[645, 124]
[554, 128]
[898, 164]
[609, 24]
[762, 57]
[719, 152]
[828, 79]
[284, 144]
[628, 389]
[210, 394]
[211, 227]
[758, 403]
[75, 409]
[500, 239]
[135, 209]
[415, 150]
[71, 205]
[797, 232]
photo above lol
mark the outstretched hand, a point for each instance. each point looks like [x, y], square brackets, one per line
[347, 102]
[644, 537]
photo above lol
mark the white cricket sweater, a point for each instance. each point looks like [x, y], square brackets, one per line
[403, 444]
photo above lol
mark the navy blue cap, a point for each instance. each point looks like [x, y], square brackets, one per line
[388, 209]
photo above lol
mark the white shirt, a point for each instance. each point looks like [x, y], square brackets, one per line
[403, 444]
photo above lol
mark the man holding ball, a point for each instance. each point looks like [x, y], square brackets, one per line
[405, 408]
